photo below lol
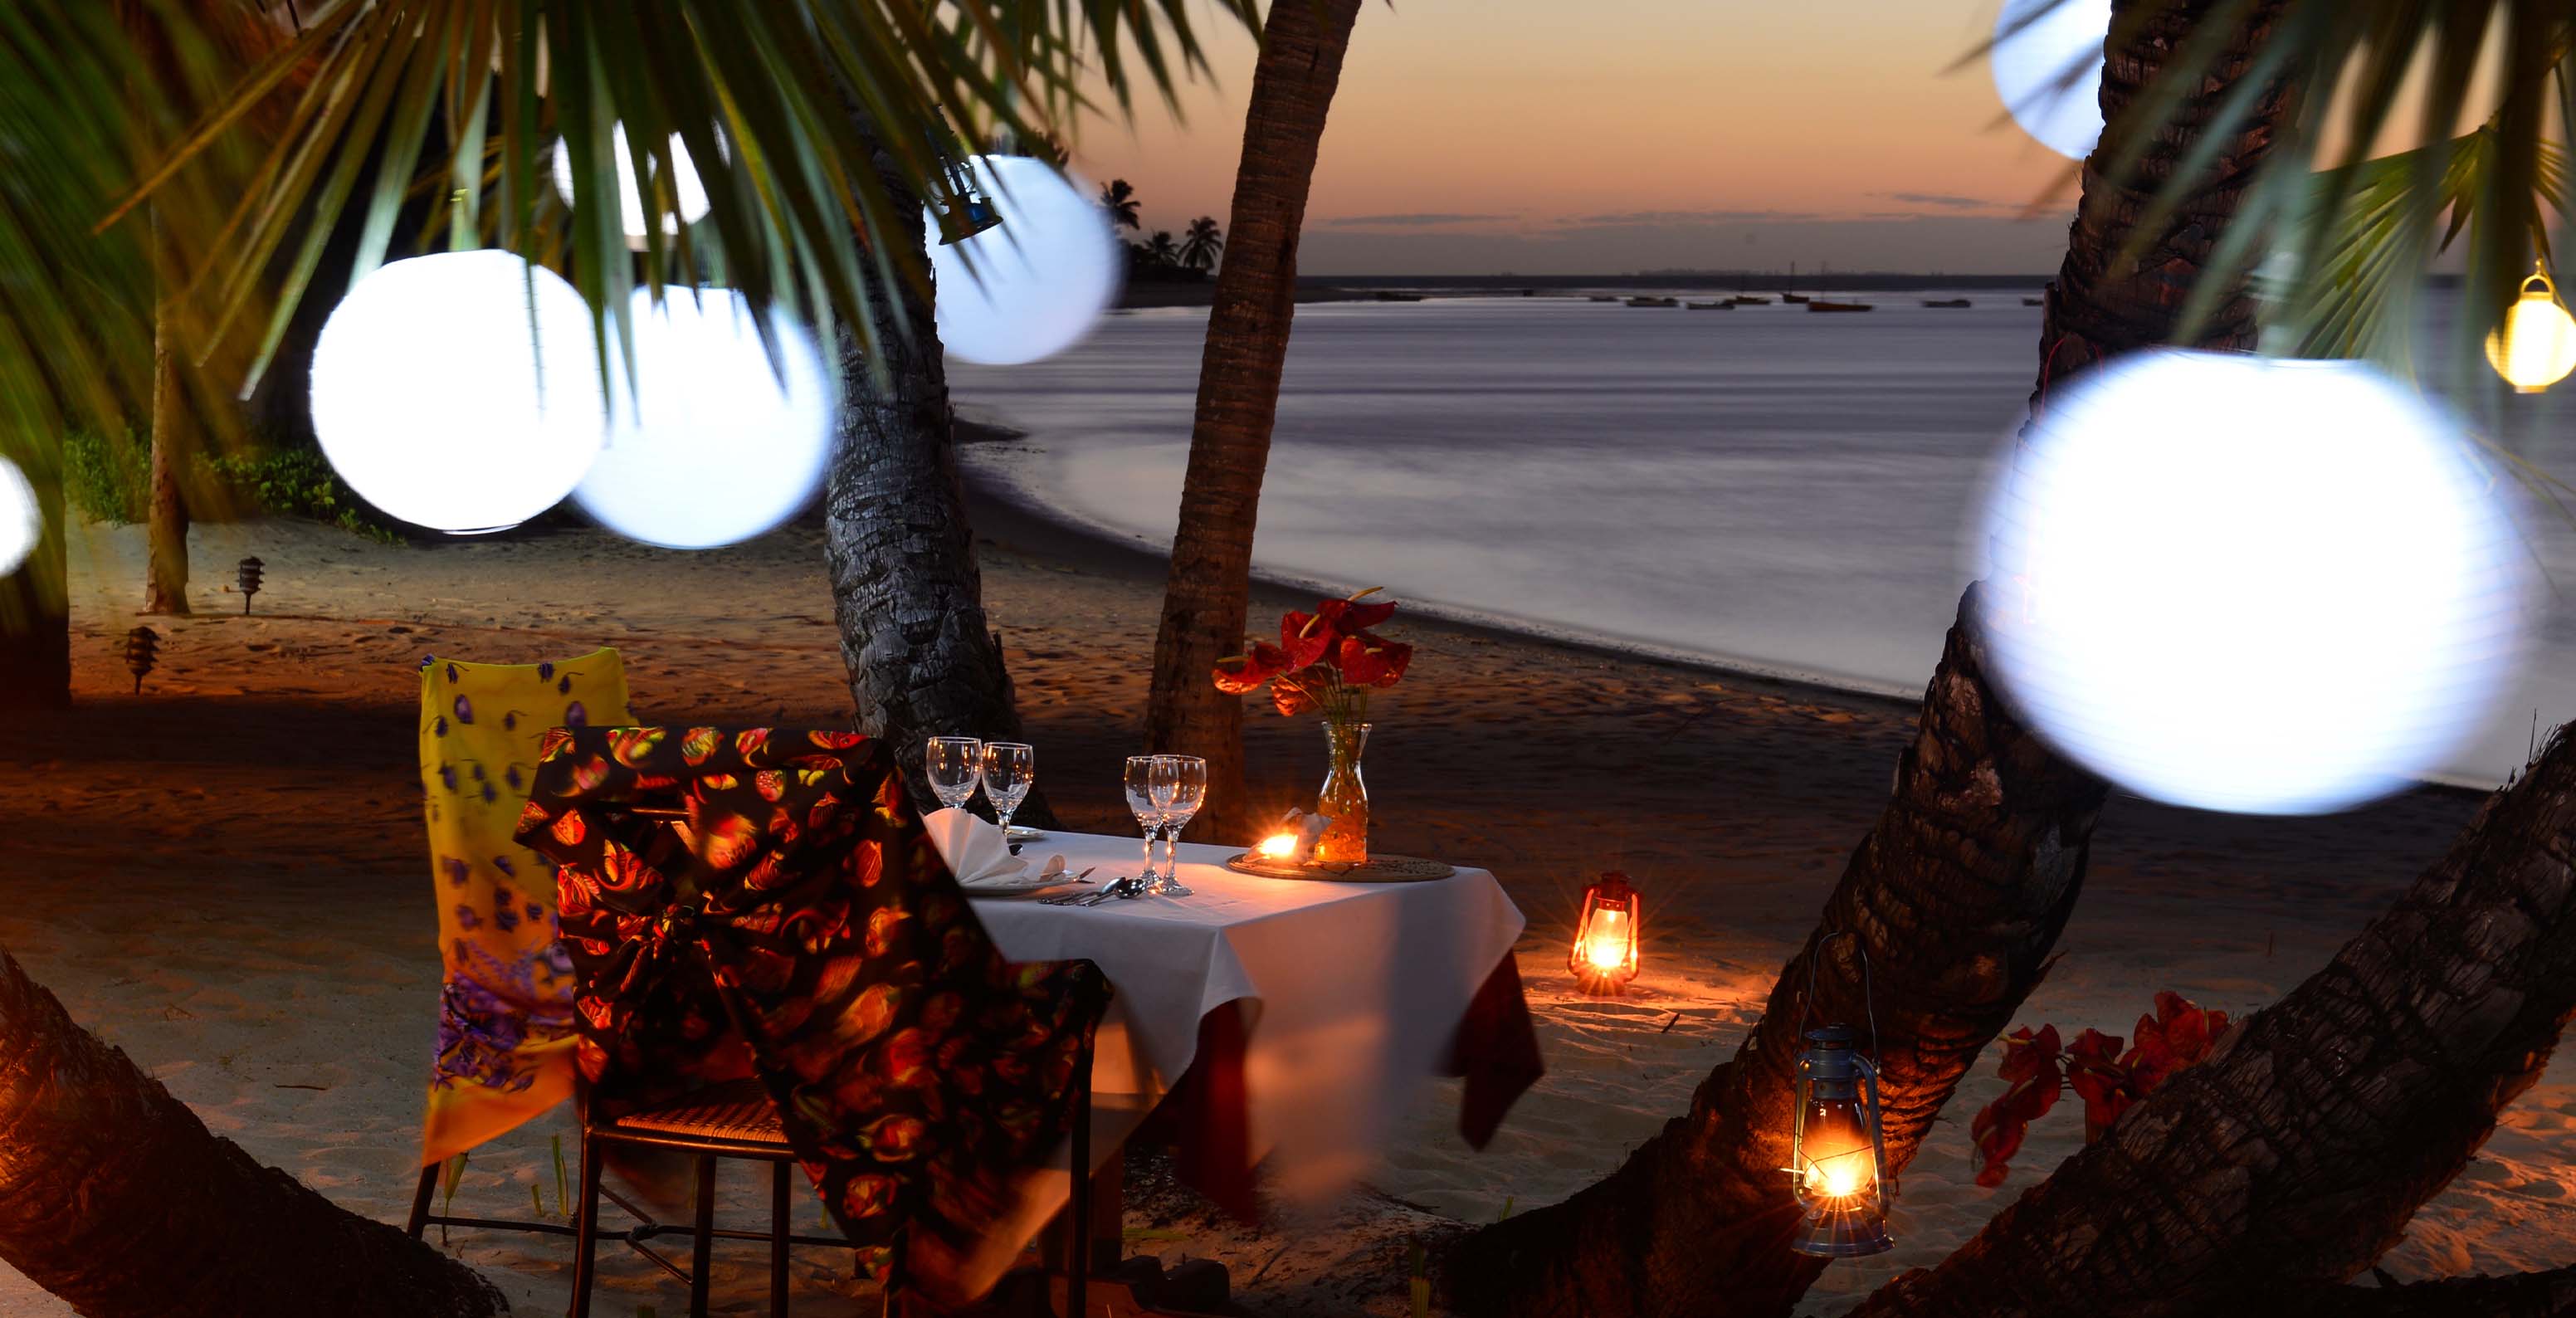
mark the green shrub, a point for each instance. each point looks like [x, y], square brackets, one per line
[108, 480]
[295, 483]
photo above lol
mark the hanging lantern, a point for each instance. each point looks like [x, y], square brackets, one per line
[968, 212]
[1606, 937]
[2536, 346]
[1836, 1152]
[249, 572]
[1036, 285]
[142, 649]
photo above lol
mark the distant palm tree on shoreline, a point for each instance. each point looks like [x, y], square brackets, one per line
[1119, 200]
[1160, 250]
[1202, 244]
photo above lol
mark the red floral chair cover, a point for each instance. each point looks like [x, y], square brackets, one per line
[919, 1076]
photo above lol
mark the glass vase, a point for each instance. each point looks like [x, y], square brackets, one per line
[1345, 796]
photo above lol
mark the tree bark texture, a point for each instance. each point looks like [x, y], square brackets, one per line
[1209, 594]
[907, 596]
[35, 609]
[165, 587]
[2102, 304]
[1960, 891]
[2298, 1151]
[115, 1197]
[1956, 895]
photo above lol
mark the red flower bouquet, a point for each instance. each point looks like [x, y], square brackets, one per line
[1329, 660]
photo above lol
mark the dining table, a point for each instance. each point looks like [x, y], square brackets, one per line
[1285, 1023]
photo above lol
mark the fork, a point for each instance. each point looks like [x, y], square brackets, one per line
[1121, 887]
[1073, 898]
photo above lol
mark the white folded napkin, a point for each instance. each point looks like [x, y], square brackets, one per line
[975, 849]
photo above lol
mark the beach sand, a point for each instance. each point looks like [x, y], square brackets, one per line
[225, 876]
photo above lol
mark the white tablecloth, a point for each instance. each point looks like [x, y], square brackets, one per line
[1352, 994]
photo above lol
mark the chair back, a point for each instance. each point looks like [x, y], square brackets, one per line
[505, 1036]
[765, 902]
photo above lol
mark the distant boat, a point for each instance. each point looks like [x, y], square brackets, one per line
[1713, 306]
[1654, 302]
[1947, 302]
[1793, 299]
[1605, 297]
[1383, 296]
[1837, 306]
[2034, 302]
[1743, 301]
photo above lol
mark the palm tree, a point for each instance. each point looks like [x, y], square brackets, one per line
[1120, 201]
[1159, 250]
[1209, 591]
[1202, 244]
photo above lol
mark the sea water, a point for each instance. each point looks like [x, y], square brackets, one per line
[1763, 488]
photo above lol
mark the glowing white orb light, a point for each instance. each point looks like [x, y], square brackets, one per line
[686, 191]
[2262, 586]
[2031, 67]
[22, 520]
[715, 446]
[1033, 285]
[459, 391]
[2535, 347]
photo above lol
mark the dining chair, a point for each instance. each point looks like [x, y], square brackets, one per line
[772, 963]
[505, 1031]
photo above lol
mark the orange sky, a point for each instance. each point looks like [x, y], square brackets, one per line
[1619, 135]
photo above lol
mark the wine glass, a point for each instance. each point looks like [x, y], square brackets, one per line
[1180, 787]
[951, 763]
[1140, 798]
[1010, 769]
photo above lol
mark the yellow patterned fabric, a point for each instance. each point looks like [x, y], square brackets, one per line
[505, 1024]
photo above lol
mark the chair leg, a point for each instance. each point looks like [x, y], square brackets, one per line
[420, 1200]
[780, 1227]
[585, 1239]
[1078, 1275]
[702, 1249]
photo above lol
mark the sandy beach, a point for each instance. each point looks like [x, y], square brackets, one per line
[224, 876]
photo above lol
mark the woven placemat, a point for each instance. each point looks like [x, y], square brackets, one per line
[1377, 869]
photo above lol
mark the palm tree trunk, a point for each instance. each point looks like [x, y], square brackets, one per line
[1960, 890]
[1957, 895]
[2299, 1149]
[907, 596]
[166, 531]
[115, 1197]
[35, 609]
[1209, 593]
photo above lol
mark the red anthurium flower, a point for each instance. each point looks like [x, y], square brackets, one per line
[1307, 637]
[1349, 616]
[1290, 698]
[2096, 1075]
[2180, 1033]
[1243, 674]
[1374, 661]
[2034, 1064]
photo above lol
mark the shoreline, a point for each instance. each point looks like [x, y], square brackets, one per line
[1006, 512]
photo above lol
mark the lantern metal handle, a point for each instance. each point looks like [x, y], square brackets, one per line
[1868, 998]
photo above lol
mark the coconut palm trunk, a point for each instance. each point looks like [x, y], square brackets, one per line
[909, 601]
[115, 1197]
[1960, 890]
[165, 587]
[1209, 594]
[2298, 1151]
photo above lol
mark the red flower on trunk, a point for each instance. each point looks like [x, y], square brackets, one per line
[2110, 1080]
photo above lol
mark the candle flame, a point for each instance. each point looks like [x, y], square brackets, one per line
[1605, 945]
[1277, 846]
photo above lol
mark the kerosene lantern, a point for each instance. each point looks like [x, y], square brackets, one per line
[1606, 937]
[1836, 1150]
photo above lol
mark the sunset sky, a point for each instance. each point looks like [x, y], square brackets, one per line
[1540, 137]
